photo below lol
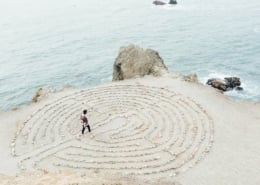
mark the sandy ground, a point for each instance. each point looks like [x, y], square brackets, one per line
[71, 178]
[151, 129]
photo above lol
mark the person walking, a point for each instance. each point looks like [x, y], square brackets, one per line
[84, 121]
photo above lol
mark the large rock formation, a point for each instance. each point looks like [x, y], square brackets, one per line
[229, 83]
[134, 61]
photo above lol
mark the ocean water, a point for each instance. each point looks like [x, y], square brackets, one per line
[46, 43]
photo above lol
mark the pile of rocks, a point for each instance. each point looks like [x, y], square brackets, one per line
[229, 83]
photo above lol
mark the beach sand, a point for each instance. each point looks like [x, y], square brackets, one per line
[152, 129]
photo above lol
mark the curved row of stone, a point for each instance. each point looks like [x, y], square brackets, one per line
[138, 130]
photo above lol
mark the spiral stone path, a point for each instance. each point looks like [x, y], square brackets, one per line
[136, 129]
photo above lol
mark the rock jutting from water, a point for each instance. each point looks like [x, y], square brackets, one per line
[133, 61]
[172, 2]
[158, 2]
[229, 83]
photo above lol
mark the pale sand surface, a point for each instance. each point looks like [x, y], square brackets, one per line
[149, 128]
[71, 178]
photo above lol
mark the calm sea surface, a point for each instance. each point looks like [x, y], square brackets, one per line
[53, 43]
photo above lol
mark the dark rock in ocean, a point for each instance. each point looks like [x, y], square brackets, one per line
[212, 80]
[218, 84]
[239, 88]
[156, 2]
[229, 83]
[172, 2]
[233, 81]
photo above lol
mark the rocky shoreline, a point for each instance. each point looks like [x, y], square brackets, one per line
[135, 62]
[149, 126]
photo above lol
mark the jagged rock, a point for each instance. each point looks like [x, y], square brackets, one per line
[134, 61]
[37, 95]
[40, 93]
[158, 2]
[219, 85]
[239, 88]
[191, 77]
[233, 81]
[229, 83]
[209, 82]
[172, 2]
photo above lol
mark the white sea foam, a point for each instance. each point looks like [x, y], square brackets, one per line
[250, 90]
[106, 79]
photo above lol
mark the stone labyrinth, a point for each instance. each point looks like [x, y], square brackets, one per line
[136, 129]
